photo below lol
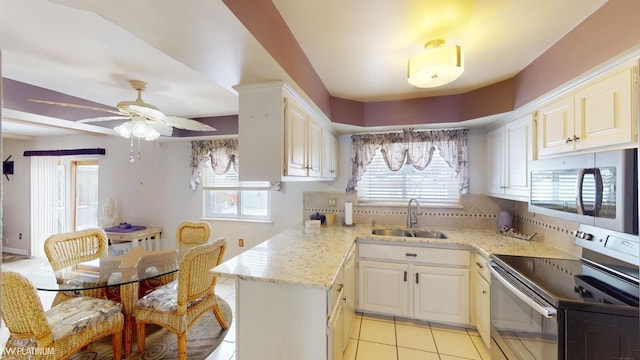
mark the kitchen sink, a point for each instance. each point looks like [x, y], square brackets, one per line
[392, 232]
[410, 233]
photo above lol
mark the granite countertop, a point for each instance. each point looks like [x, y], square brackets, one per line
[312, 256]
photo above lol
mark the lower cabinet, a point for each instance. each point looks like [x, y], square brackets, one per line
[441, 294]
[342, 300]
[423, 283]
[482, 288]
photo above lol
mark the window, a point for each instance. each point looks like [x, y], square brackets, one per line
[84, 197]
[437, 184]
[225, 197]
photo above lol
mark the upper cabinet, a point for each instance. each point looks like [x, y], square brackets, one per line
[280, 137]
[303, 145]
[600, 114]
[511, 147]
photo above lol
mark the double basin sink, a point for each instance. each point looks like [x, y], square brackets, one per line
[410, 233]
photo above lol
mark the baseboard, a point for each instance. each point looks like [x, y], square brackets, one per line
[14, 251]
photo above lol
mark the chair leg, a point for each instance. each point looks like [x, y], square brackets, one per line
[182, 346]
[141, 336]
[116, 343]
[218, 314]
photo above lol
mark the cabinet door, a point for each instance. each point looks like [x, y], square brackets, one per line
[604, 112]
[349, 296]
[519, 151]
[555, 126]
[296, 141]
[330, 156]
[314, 148]
[496, 158]
[382, 287]
[336, 332]
[441, 294]
[483, 309]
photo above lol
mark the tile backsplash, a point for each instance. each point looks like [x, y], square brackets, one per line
[477, 212]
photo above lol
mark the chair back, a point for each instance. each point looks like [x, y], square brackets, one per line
[69, 249]
[191, 233]
[194, 278]
[22, 310]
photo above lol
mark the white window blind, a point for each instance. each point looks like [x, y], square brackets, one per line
[436, 185]
[224, 196]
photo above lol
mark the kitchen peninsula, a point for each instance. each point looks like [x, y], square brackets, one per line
[286, 286]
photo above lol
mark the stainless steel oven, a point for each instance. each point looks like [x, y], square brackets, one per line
[568, 309]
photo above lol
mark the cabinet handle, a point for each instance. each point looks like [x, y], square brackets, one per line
[417, 278]
[340, 286]
[576, 138]
[344, 299]
[568, 140]
[405, 276]
[411, 254]
[479, 265]
[484, 291]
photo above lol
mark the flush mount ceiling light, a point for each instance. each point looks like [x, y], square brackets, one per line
[437, 65]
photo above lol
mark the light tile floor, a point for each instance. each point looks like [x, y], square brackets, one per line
[388, 338]
[372, 337]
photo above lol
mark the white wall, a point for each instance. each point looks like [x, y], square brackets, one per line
[154, 191]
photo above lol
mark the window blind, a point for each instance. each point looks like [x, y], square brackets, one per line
[437, 184]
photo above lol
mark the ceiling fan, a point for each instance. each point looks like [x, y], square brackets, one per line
[145, 120]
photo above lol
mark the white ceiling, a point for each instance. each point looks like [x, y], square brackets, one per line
[193, 52]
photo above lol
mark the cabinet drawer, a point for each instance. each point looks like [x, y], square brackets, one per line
[438, 256]
[481, 265]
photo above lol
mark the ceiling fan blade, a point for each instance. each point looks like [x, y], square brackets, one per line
[76, 106]
[104, 118]
[164, 130]
[187, 124]
[146, 112]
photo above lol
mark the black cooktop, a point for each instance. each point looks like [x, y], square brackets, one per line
[567, 283]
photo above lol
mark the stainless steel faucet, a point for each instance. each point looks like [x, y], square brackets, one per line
[412, 217]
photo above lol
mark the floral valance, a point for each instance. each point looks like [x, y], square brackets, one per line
[411, 147]
[222, 155]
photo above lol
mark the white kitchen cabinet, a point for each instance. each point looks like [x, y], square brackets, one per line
[330, 156]
[482, 298]
[342, 307]
[280, 137]
[424, 283]
[383, 287]
[511, 147]
[441, 294]
[303, 145]
[600, 114]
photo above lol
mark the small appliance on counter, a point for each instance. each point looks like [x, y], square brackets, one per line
[318, 216]
[505, 226]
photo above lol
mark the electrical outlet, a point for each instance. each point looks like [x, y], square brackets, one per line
[240, 242]
[19, 236]
[332, 202]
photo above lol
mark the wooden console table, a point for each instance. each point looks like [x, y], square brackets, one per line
[149, 238]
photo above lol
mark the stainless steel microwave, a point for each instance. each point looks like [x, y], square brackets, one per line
[599, 189]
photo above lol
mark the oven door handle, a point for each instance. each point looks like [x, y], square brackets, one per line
[548, 312]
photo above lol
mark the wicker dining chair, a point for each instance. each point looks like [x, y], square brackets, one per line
[191, 233]
[176, 306]
[67, 250]
[60, 331]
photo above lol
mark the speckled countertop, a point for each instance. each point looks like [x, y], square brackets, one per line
[312, 256]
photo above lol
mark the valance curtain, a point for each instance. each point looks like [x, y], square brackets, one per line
[411, 147]
[222, 154]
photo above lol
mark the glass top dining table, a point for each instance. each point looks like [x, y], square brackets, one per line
[121, 268]
[118, 267]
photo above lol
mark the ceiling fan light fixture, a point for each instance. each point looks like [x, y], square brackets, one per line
[124, 130]
[437, 65]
